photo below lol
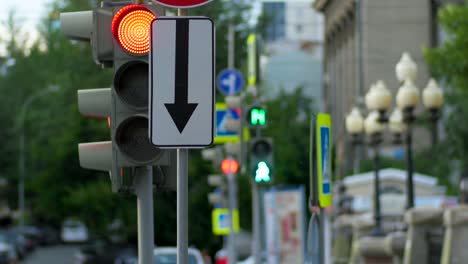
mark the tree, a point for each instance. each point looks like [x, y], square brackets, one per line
[449, 64]
[56, 185]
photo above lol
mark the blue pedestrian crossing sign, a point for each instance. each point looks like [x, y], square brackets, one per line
[221, 223]
[323, 140]
[230, 82]
[223, 114]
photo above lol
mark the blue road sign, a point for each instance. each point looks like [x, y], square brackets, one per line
[222, 116]
[230, 82]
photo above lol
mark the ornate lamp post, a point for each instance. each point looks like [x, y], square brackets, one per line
[397, 126]
[433, 100]
[355, 126]
[407, 98]
[374, 128]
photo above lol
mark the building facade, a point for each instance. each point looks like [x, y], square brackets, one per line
[293, 48]
[371, 34]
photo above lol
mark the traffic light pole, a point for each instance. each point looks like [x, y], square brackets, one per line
[257, 242]
[232, 254]
[144, 192]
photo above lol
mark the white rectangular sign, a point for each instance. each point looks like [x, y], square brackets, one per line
[284, 212]
[182, 82]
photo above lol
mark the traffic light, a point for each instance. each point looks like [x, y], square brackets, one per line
[256, 116]
[219, 197]
[120, 37]
[261, 159]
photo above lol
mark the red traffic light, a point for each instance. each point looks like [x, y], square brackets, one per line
[131, 28]
[229, 166]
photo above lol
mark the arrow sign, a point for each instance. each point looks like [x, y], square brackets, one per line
[182, 82]
[181, 110]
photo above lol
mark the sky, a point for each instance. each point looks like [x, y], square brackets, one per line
[28, 13]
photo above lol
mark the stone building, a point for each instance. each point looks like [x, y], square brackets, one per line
[386, 28]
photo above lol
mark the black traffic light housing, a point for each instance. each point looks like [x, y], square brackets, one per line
[126, 102]
[256, 116]
[261, 159]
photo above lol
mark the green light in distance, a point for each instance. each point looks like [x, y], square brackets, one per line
[262, 174]
[258, 116]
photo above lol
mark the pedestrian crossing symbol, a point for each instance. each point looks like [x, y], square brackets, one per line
[262, 173]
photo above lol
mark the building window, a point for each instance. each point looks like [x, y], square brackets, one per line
[299, 28]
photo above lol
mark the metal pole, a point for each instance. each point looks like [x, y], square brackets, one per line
[22, 154]
[182, 195]
[377, 212]
[358, 39]
[144, 192]
[409, 180]
[22, 175]
[256, 244]
[356, 159]
[182, 206]
[232, 201]
[435, 133]
[231, 47]
[326, 236]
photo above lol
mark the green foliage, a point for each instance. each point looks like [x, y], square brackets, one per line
[289, 118]
[449, 64]
[56, 186]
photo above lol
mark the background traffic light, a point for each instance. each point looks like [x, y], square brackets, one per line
[261, 159]
[120, 37]
[256, 116]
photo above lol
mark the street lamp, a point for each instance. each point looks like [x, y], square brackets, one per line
[396, 125]
[355, 126]
[406, 68]
[22, 156]
[407, 100]
[379, 99]
[374, 128]
[355, 123]
[433, 100]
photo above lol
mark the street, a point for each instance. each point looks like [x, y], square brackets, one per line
[52, 255]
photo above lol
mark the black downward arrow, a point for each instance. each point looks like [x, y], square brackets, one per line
[181, 110]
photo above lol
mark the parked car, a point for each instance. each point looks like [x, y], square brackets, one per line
[31, 235]
[99, 251]
[49, 236]
[168, 255]
[127, 256]
[7, 251]
[74, 231]
[18, 241]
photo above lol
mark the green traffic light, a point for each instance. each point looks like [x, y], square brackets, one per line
[262, 174]
[258, 116]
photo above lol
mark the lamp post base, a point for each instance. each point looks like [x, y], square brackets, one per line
[377, 232]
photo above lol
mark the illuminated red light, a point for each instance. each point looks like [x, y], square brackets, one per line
[131, 28]
[229, 166]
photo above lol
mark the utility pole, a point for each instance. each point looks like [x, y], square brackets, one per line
[232, 184]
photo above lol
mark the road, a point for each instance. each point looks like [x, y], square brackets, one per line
[51, 255]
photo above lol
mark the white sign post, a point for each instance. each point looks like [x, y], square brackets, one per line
[182, 82]
[182, 98]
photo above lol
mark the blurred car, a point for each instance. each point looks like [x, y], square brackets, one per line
[168, 255]
[18, 241]
[251, 260]
[49, 236]
[127, 255]
[74, 231]
[94, 252]
[7, 251]
[30, 234]
[102, 252]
